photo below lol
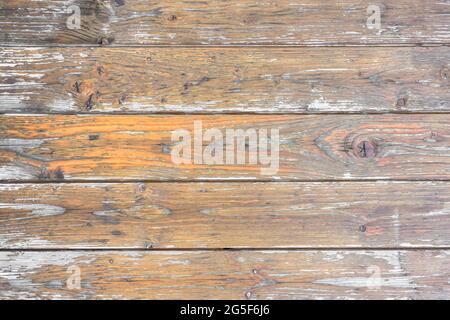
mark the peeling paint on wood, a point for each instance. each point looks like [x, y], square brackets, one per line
[312, 147]
[215, 22]
[142, 57]
[227, 275]
[192, 80]
[225, 215]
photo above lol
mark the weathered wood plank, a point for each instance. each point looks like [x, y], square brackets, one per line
[215, 22]
[311, 147]
[269, 80]
[226, 275]
[225, 215]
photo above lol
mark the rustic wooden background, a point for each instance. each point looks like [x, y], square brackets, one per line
[87, 180]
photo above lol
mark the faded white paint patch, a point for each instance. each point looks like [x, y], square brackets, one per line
[14, 173]
[11, 187]
[443, 212]
[362, 282]
[39, 210]
[62, 105]
[19, 145]
[183, 262]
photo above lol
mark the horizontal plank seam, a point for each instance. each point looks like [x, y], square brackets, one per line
[235, 113]
[212, 180]
[331, 45]
[227, 249]
[215, 181]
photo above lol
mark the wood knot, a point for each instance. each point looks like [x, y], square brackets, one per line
[366, 149]
[148, 245]
[251, 19]
[401, 102]
[93, 137]
[104, 40]
[59, 174]
[433, 137]
[119, 3]
[45, 174]
[92, 100]
[100, 70]
[77, 86]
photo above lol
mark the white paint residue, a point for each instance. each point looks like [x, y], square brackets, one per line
[40, 210]
[14, 173]
[443, 212]
[361, 282]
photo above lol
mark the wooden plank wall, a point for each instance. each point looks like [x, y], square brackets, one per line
[360, 205]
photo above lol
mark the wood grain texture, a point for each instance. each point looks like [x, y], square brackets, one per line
[76, 189]
[227, 275]
[312, 147]
[225, 215]
[212, 80]
[215, 22]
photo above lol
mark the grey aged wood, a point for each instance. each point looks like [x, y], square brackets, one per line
[225, 215]
[215, 22]
[226, 275]
[218, 80]
[97, 194]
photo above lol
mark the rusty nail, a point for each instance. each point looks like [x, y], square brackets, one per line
[366, 149]
[77, 85]
[90, 102]
[59, 174]
[105, 40]
[142, 187]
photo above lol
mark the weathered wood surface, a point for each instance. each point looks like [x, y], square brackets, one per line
[226, 275]
[312, 147]
[262, 80]
[225, 215]
[290, 240]
[215, 22]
